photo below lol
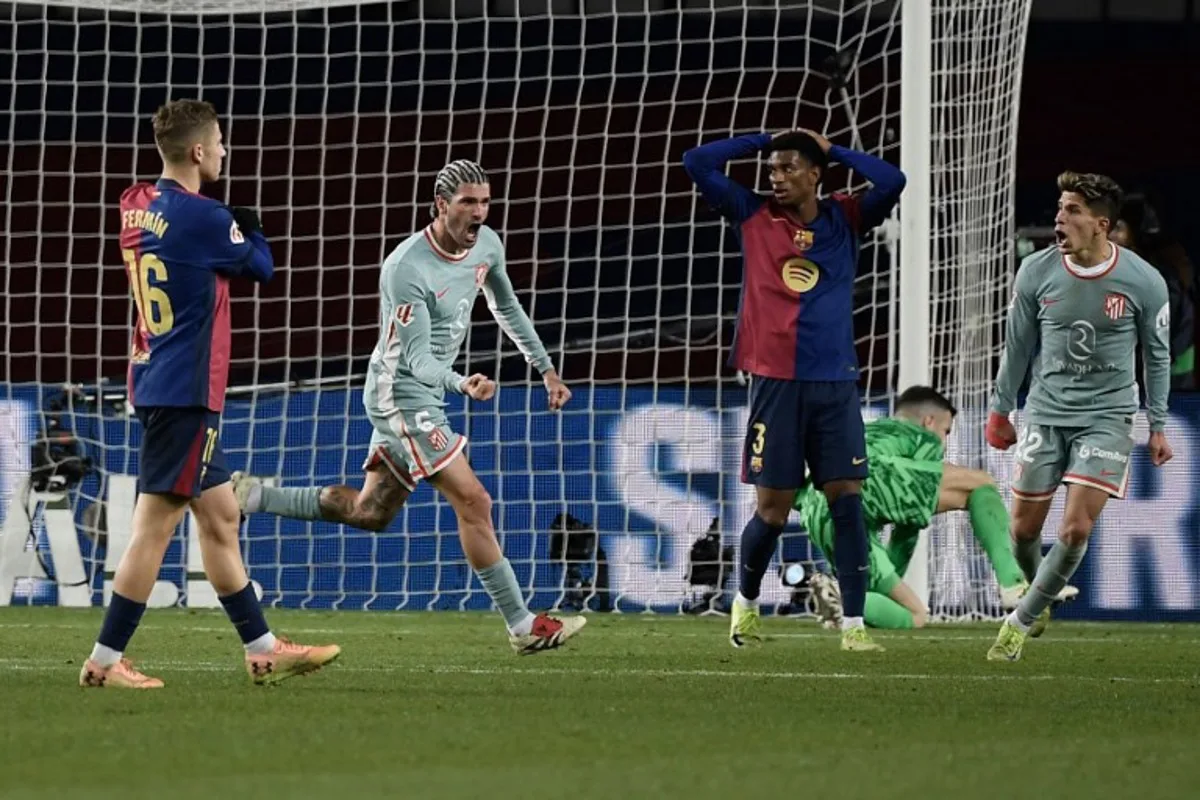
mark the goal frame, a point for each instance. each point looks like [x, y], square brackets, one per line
[916, 240]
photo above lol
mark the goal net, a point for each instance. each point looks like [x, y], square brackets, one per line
[337, 116]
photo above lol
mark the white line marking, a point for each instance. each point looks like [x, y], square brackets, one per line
[53, 665]
[715, 634]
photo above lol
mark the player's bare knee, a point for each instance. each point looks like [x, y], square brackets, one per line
[1024, 531]
[1026, 526]
[1075, 530]
[219, 529]
[980, 479]
[474, 506]
[217, 522]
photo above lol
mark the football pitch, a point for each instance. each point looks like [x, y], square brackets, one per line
[436, 705]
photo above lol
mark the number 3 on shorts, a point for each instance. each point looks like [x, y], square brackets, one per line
[760, 441]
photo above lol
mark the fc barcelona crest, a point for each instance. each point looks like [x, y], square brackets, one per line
[1114, 306]
[803, 239]
[481, 272]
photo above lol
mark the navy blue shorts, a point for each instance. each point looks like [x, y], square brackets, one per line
[181, 451]
[793, 423]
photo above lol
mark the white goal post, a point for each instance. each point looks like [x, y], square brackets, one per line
[337, 116]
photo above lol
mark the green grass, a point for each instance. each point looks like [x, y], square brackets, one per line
[436, 705]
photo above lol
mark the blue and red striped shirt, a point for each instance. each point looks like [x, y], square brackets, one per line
[180, 250]
[795, 312]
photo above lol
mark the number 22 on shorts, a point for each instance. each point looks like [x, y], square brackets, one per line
[1031, 442]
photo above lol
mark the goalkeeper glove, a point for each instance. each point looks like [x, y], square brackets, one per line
[246, 218]
[1000, 432]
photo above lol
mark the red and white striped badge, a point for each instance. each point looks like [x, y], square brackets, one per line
[437, 439]
[1114, 306]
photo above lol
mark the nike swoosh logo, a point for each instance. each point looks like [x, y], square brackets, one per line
[857, 461]
[442, 293]
[1049, 301]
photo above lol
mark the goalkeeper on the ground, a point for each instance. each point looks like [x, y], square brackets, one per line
[908, 483]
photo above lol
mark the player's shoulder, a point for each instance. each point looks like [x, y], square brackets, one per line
[1041, 261]
[172, 192]
[181, 204]
[1039, 267]
[1137, 269]
[897, 427]
[837, 202]
[139, 195]
[838, 199]
[843, 208]
[490, 247]
[490, 236]
[760, 210]
[882, 424]
[409, 259]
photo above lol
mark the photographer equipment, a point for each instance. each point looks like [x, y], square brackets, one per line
[709, 568]
[58, 459]
[576, 545]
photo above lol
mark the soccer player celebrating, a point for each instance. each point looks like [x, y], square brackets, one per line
[795, 337]
[427, 289]
[180, 250]
[1078, 309]
[908, 484]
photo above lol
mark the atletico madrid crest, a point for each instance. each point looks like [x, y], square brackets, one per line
[1114, 306]
[803, 239]
[481, 272]
[437, 439]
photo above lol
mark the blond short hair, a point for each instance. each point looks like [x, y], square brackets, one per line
[179, 125]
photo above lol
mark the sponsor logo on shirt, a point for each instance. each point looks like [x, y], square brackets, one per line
[800, 275]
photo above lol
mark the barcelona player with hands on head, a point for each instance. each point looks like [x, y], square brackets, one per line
[795, 338]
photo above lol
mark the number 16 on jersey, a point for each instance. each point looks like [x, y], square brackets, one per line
[153, 303]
